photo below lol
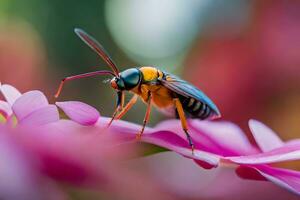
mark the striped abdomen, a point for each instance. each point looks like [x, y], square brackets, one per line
[195, 109]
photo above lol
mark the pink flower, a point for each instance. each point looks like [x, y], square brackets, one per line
[40, 149]
[223, 143]
[273, 150]
[78, 151]
[33, 108]
[23, 55]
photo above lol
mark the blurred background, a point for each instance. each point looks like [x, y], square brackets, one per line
[243, 54]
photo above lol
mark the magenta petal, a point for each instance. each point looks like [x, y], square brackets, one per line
[28, 103]
[286, 153]
[264, 136]
[205, 165]
[42, 116]
[228, 136]
[5, 108]
[18, 173]
[175, 143]
[79, 112]
[285, 178]
[222, 138]
[248, 172]
[10, 93]
[162, 138]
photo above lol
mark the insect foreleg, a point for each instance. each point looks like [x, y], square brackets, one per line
[184, 125]
[147, 115]
[119, 106]
[128, 106]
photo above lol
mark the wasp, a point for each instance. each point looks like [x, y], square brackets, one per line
[167, 92]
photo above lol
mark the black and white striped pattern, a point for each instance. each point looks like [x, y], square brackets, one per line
[194, 108]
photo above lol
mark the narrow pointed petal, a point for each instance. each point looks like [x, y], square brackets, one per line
[10, 93]
[288, 179]
[41, 116]
[265, 138]
[28, 103]
[79, 112]
[288, 152]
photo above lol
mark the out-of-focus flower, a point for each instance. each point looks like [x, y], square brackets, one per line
[44, 149]
[19, 178]
[228, 71]
[33, 108]
[220, 183]
[277, 28]
[73, 151]
[224, 143]
[21, 52]
[274, 150]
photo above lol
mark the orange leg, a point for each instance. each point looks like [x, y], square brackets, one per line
[147, 115]
[114, 115]
[124, 110]
[127, 107]
[183, 122]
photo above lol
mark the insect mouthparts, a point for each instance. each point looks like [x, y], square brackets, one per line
[106, 80]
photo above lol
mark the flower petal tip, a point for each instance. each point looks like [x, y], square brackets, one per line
[265, 137]
[10, 93]
[29, 102]
[79, 112]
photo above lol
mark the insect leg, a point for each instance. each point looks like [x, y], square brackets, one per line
[128, 106]
[183, 122]
[79, 76]
[119, 106]
[147, 115]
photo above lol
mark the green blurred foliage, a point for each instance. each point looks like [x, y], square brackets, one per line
[55, 21]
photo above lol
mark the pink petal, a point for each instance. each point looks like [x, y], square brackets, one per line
[28, 103]
[248, 172]
[18, 173]
[182, 178]
[223, 138]
[162, 138]
[227, 135]
[79, 112]
[264, 136]
[288, 152]
[288, 179]
[10, 93]
[206, 165]
[5, 109]
[172, 142]
[41, 116]
[66, 157]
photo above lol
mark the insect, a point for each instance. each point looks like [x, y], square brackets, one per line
[170, 94]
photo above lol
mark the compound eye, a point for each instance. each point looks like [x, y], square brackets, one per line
[131, 78]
